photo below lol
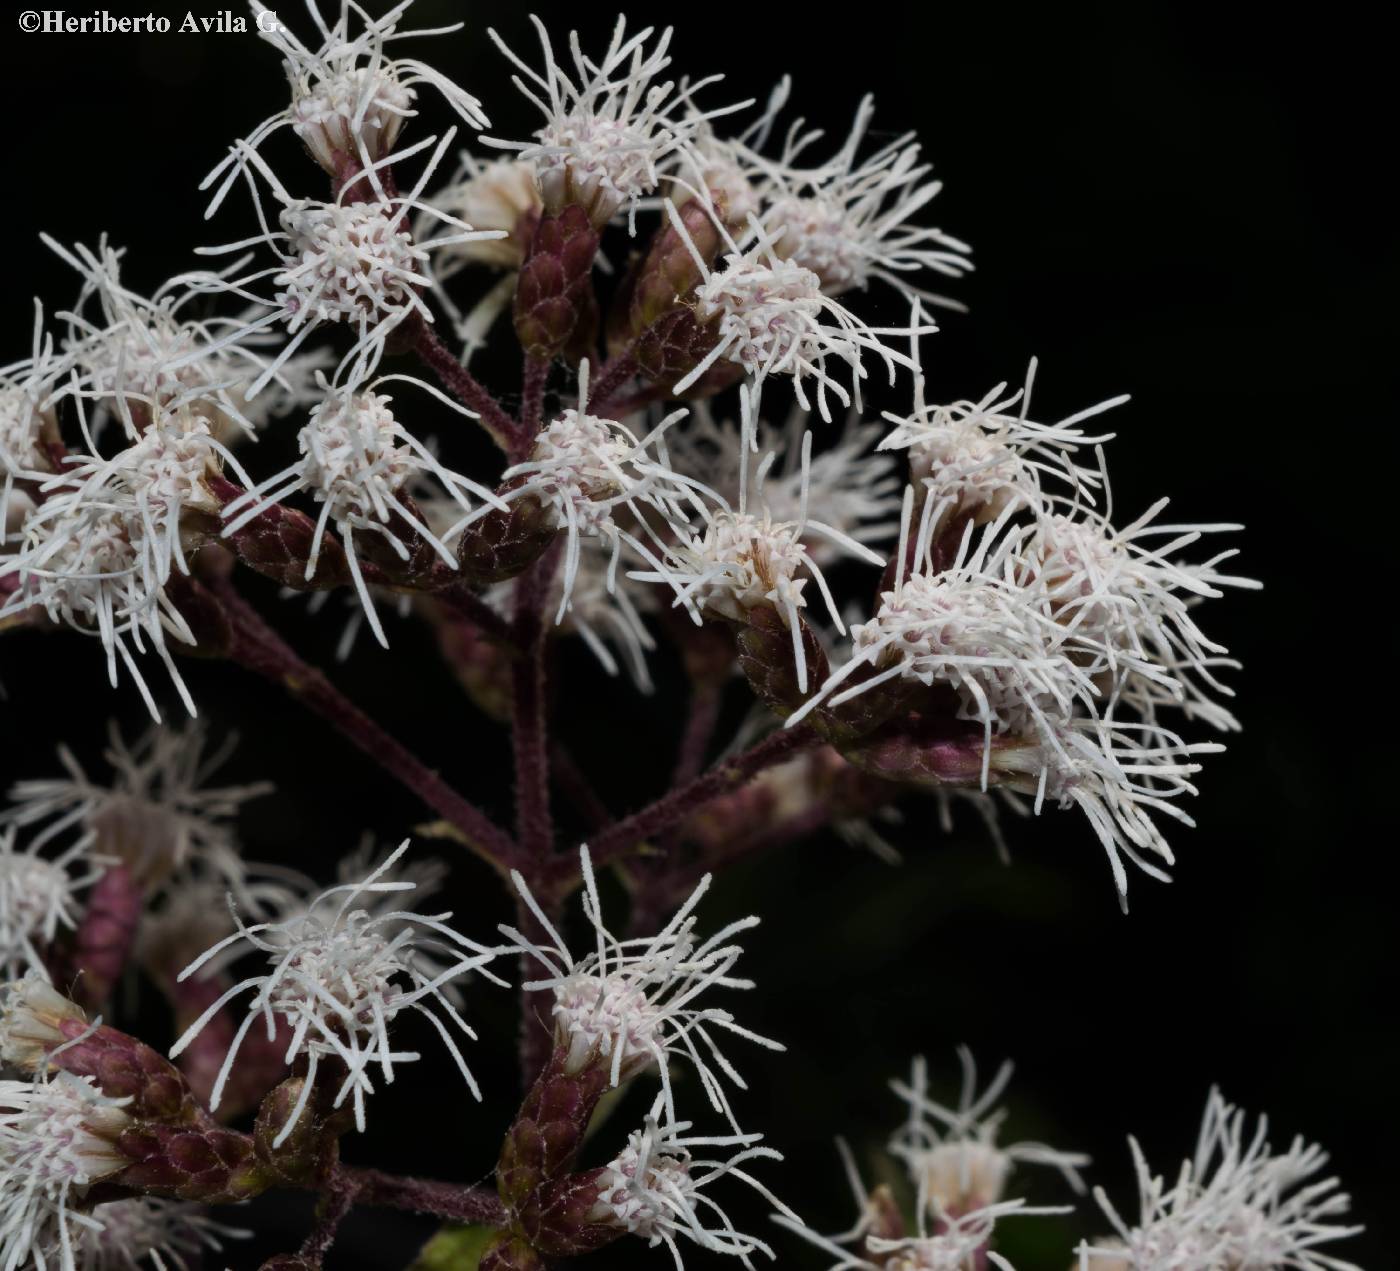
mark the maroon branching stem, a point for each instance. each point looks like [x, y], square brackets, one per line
[530, 730]
[616, 373]
[536, 1021]
[425, 1196]
[699, 731]
[532, 402]
[257, 647]
[464, 386]
[680, 804]
[337, 1200]
[466, 604]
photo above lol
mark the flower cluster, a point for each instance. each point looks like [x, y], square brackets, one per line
[630, 1007]
[341, 971]
[1235, 1203]
[958, 1174]
[668, 482]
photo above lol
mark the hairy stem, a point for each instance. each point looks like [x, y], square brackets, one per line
[530, 731]
[259, 648]
[616, 373]
[673, 808]
[532, 401]
[464, 386]
[426, 1196]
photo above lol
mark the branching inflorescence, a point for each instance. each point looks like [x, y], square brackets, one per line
[1013, 640]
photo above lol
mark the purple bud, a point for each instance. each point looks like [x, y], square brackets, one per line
[554, 294]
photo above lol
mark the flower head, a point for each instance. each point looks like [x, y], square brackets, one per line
[952, 1154]
[594, 479]
[498, 194]
[979, 459]
[349, 99]
[1235, 1204]
[342, 971]
[37, 898]
[743, 559]
[132, 357]
[849, 485]
[346, 261]
[848, 219]
[97, 552]
[57, 1138]
[630, 1005]
[154, 814]
[28, 419]
[973, 631]
[770, 316]
[164, 1231]
[609, 126]
[357, 461]
[1129, 603]
[652, 1188]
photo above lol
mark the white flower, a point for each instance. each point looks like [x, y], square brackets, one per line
[771, 317]
[97, 553]
[728, 171]
[609, 126]
[1118, 773]
[630, 1004]
[952, 1154]
[155, 812]
[349, 99]
[852, 489]
[583, 469]
[37, 897]
[34, 1020]
[341, 973]
[28, 421]
[498, 194]
[742, 560]
[977, 459]
[959, 1242]
[355, 460]
[133, 357]
[164, 1231]
[56, 1140]
[847, 220]
[973, 630]
[1129, 603]
[1235, 1206]
[347, 262]
[652, 1188]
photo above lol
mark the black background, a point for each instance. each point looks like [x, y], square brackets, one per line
[1182, 203]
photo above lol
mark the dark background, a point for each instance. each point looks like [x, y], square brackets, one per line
[1166, 200]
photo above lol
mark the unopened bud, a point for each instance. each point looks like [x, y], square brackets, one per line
[554, 294]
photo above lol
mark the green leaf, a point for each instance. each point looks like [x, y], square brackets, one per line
[454, 1248]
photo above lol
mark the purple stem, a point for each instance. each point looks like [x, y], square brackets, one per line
[530, 733]
[615, 374]
[673, 808]
[259, 648]
[335, 1202]
[425, 1196]
[532, 401]
[464, 386]
[464, 602]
